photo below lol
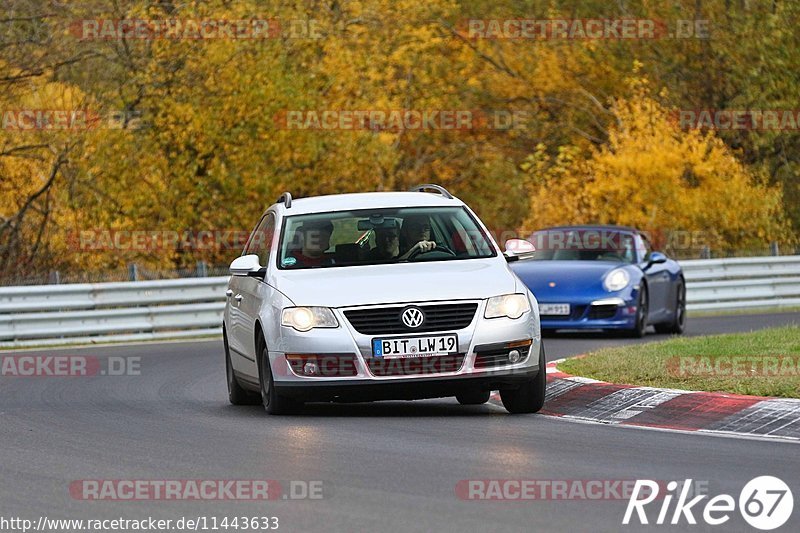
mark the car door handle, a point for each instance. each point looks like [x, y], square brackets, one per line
[238, 297]
[229, 293]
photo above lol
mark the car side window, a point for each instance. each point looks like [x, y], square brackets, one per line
[261, 240]
[647, 248]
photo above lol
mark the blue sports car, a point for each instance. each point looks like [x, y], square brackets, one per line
[603, 277]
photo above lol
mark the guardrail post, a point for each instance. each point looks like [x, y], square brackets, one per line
[705, 253]
[55, 277]
[133, 272]
[773, 248]
[202, 269]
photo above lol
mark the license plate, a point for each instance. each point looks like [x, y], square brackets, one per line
[554, 309]
[415, 346]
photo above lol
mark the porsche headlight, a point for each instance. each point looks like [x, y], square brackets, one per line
[616, 280]
[306, 318]
[509, 305]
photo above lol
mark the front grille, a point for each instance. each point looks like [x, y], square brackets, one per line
[499, 357]
[414, 366]
[386, 320]
[600, 312]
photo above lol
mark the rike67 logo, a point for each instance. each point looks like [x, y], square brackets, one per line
[765, 503]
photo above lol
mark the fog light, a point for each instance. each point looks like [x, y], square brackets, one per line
[310, 368]
[513, 356]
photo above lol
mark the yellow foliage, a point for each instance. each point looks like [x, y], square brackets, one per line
[208, 154]
[654, 176]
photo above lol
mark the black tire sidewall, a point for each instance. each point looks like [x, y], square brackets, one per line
[678, 323]
[265, 373]
[529, 398]
[476, 397]
[680, 309]
[228, 368]
[641, 316]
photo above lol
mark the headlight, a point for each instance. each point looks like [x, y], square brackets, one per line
[510, 305]
[617, 280]
[306, 318]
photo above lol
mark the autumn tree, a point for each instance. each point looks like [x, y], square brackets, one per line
[655, 176]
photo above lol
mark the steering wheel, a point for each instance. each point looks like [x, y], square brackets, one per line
[609, 256]
[439, 248]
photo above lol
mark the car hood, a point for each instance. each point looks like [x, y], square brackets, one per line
[405, 282]
[568, 276]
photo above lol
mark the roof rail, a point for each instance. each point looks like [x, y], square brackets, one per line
[431, 186]
[286, 198]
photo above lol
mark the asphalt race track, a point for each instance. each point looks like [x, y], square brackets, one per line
[391, 466]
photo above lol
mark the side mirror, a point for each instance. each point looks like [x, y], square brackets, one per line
[518, 249]
[245, 265]
[654, 259]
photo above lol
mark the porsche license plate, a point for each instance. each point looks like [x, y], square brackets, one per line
[554, 309]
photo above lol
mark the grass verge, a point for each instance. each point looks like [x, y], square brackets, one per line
[760, 363]
[749, 311]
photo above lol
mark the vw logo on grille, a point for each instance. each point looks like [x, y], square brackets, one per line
[413, 317]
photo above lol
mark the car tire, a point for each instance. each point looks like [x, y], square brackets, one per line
[678, 323]
[642, 311]
[236, 394]
[473, 397]
[529, 398]
[273, 402]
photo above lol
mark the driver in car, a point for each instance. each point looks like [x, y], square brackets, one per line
[416, 229]
[415, 236]
[316, 239]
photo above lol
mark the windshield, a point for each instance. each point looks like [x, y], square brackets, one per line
[584, 245]
[381, 236]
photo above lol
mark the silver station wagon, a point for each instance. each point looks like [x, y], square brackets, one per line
[379, 296]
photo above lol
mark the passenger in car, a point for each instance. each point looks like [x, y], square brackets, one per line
[387, 244]
[316, 239]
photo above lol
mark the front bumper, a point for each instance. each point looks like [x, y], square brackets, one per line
[415, 388]
[602, 313]
[479, 364]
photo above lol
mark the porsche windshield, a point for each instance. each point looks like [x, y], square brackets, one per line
[379, 236]
[584, 245]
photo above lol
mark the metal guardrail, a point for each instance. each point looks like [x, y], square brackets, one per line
[101, 312]
[144, 310]
[742, 283]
